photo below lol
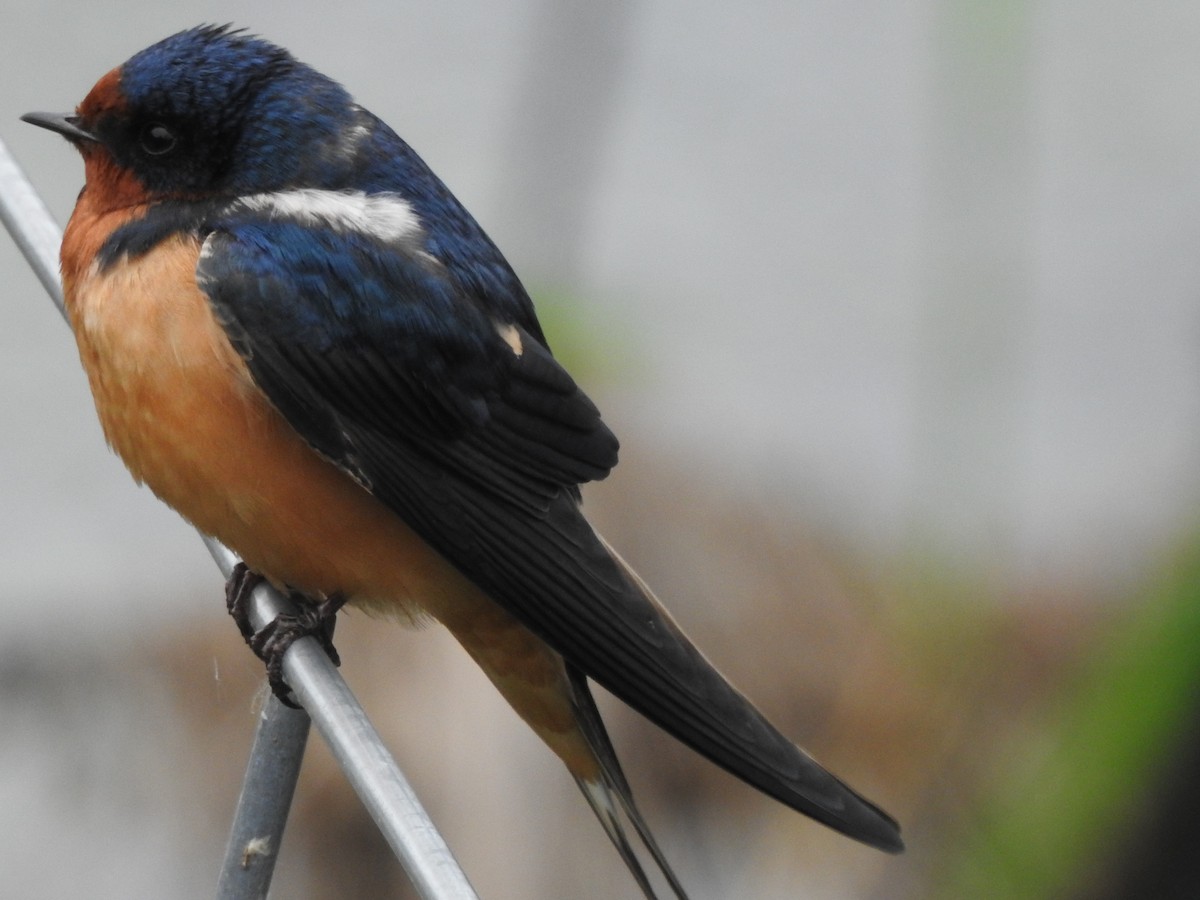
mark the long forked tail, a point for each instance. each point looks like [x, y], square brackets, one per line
[717, 721]
[611, 798]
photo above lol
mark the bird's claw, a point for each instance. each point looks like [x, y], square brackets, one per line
[272, 641]
[241, 584]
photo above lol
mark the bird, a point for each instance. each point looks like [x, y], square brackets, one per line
[298, 338]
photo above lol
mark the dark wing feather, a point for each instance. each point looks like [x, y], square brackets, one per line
[397, 355]
[481, 451]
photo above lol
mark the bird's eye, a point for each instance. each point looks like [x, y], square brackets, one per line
[157, 139]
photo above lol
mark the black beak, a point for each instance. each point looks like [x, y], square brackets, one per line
[66, 125]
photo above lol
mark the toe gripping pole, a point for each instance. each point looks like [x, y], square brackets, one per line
[279, 741]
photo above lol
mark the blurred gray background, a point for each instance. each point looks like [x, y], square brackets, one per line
[901, 284]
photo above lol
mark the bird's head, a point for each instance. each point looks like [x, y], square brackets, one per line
[211, 112]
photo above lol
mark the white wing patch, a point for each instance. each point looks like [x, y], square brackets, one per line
[385, 217]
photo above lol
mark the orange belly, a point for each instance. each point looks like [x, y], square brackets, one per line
[179, 406]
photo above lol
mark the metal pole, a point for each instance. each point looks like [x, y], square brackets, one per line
[262, 807]
[272, 770]
[32, 227]
[320, 689]
[360, 752]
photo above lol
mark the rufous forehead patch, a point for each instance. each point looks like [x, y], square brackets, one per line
[105, 96]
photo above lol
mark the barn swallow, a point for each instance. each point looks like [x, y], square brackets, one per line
[298, 338]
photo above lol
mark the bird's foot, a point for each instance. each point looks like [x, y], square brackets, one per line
[241, 584]
[273, 640]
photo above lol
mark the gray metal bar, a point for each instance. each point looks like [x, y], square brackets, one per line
[267, 787]
[262, 807]
[32, 227]
[360, 752]
[314, 680]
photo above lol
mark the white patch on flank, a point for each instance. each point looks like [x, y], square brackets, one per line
[511, 336]
[385, 217]
[206, 251]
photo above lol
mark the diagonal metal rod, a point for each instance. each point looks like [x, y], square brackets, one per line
[320, 689]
